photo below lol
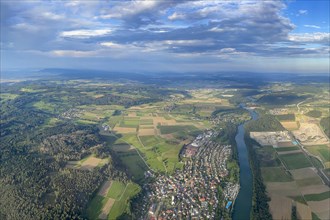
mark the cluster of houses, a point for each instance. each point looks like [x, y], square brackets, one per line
[193, 193]
[171, 103]
[106, 127]
[278, 111]
[71, 113]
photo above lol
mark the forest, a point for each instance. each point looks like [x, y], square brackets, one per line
[35, 181]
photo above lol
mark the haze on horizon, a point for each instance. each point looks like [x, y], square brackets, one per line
[166, 35]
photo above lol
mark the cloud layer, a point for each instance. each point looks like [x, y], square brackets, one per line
[221, 31]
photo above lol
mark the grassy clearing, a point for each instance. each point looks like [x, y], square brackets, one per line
[51, 122]
[275, 174]
[7, 96]
[295, 161]
[32, 90]
[44, 106]
[318, 197]
[86, 122]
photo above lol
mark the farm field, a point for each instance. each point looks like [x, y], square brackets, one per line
[114, 203]
[87, 163]
[280, 207]
[295, 161]
[290, 125]
[153, 137]
[275, 174]
[322, 152]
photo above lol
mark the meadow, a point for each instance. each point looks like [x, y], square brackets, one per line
[295, 160]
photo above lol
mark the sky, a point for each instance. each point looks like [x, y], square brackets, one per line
[166, 35]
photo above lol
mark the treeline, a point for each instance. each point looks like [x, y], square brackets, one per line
[314, 113]
[264, 123]
[286, 117]
[260, 207]
[325, 123]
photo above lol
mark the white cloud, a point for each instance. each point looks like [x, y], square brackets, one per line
[312, 26]
[72, 53]
[127, 9]
[26, 27]
[302, 12]
[317, 37]
[52, 16]
[85, 33]
[176, 16]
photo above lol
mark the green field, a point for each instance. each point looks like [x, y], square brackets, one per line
[267, 156]
[150, 140]
[316, 162]
[282, 149]
[134, 164]
[325, 154]
[122, 204]
[114, 120]
[117, 188]
[286, 117]
[317, 197]
[130, 122]
[169, 129]
[325, 124]
[275, 174]
[314, 114]
[119, 191]
[295, 161]
[158, 153]
[44, 106]
[323, 151]
[146, 122]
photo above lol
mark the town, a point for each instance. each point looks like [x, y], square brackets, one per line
[198, 191]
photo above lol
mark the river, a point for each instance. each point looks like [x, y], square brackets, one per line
[243, 203]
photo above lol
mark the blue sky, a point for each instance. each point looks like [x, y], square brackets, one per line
[166, 35]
